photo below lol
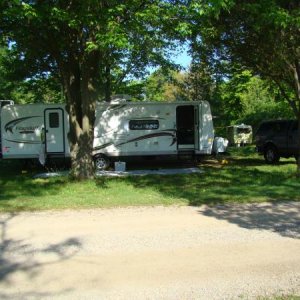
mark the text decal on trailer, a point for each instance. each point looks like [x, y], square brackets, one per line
[10, 126]
[143, 124]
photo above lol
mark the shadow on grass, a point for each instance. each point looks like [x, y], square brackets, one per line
[16, 180]
[17, 256]
[222, 185]
[242, 179]
[254, 162]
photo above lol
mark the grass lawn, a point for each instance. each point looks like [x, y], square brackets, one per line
[241, 176]
[287, 297]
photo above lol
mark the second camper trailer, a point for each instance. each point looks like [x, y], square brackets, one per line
[239, 135]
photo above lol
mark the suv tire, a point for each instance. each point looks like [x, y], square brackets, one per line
[271, 155]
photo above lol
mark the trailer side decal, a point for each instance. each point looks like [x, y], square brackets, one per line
[171, 133]
[103, 146]
[10, 125]
[24, 142]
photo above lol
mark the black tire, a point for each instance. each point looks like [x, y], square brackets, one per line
[271, 155]
[102, 162]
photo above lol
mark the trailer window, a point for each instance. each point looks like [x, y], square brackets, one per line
[143, 124]
[53, 120]
[243, 130]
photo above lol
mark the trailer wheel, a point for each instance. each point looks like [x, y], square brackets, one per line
[102, 162]
[271, 155]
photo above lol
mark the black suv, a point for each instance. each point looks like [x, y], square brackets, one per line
[277, 138]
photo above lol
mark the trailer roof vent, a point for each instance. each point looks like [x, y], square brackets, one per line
[120, 98]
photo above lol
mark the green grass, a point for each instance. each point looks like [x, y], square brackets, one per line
[240, 177]
[284, 297]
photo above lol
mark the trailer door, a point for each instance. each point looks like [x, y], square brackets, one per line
[185, 119]
[196, 128]
[54, 130]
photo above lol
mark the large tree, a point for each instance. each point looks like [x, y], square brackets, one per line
[17, 84]
[83, 41]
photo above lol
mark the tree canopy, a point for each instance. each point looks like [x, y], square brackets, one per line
[83, 42]
[91, 47]
[262, 36]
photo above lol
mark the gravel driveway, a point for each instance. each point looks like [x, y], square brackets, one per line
[207, 252]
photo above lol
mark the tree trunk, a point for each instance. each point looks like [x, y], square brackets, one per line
[81, 157]
[298, 158]
[296, 71]
[80, 88]
[298, 138]
[80, 141]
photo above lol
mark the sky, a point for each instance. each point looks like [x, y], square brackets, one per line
[182, 57]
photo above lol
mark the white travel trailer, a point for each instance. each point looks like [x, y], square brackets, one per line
[122, 130]
[28, 129]
[239, 135]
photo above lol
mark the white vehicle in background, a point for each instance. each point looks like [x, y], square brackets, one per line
[121, 130]
[239, 135]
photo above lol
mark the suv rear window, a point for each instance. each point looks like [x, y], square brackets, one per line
[273, 127]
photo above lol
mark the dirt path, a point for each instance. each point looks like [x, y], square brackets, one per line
[220, 252]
